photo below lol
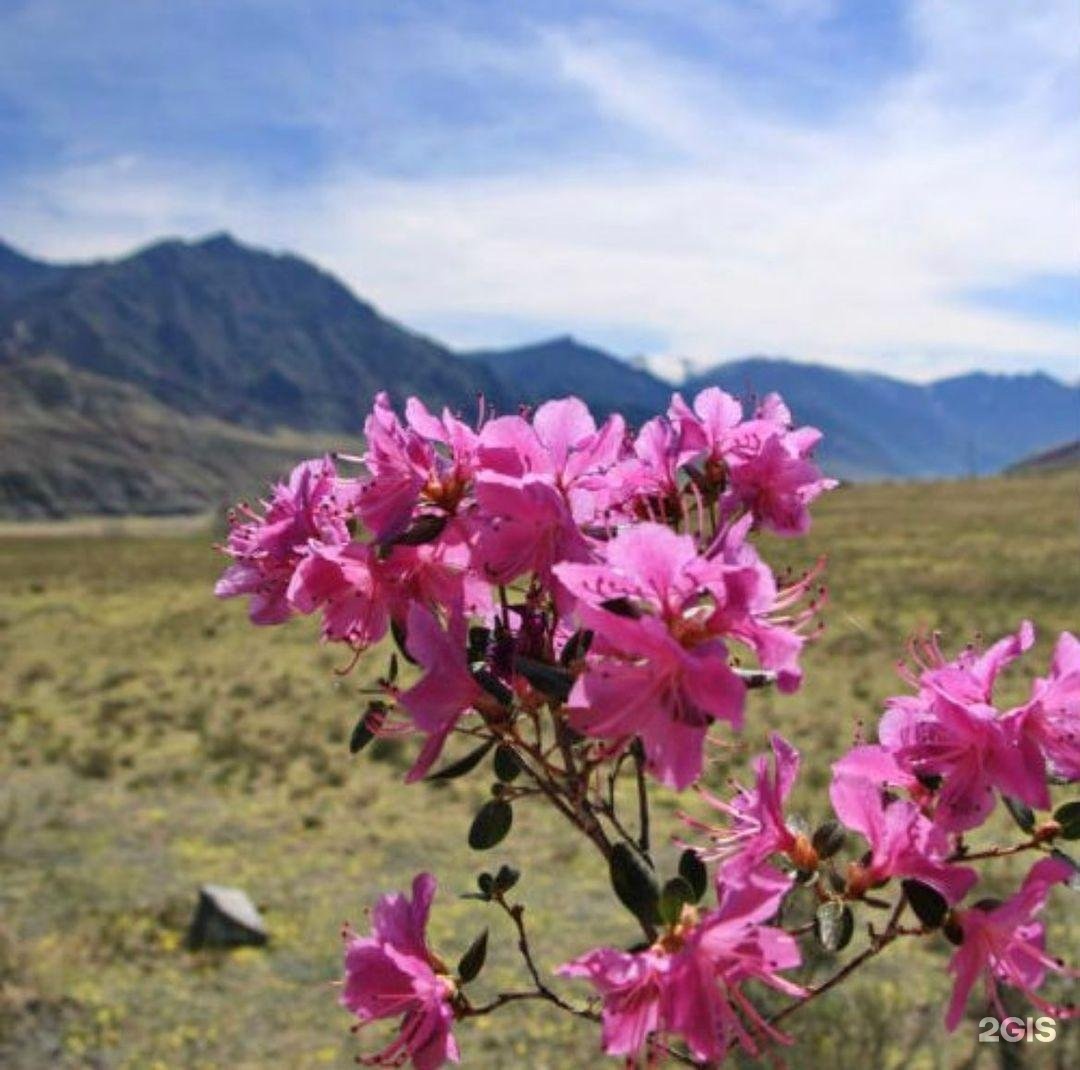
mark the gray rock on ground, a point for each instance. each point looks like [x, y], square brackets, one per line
[226, 917]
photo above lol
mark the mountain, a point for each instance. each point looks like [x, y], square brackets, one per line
[874, 426]
[19, 274]
[187, 373]
[1065, 456]
[1009, 416]
[562, 366]
[178, 377]
[877, 426]
[217, 329]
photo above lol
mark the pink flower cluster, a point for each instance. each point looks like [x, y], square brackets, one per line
[689, 983]
[573, 523]
[393, 974]
[603, 590]
[942, 755]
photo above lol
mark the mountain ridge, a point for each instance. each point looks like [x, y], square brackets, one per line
[215, 341]
[247, 336]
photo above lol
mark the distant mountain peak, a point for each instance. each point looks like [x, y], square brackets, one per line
[217, 328]
[223, 242]
[19, 273]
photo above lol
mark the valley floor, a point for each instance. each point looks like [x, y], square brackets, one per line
[154, 741]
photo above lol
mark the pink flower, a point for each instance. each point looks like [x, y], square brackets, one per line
[756, 827]
[646, 484]
[750, 608]
[873, 763]
[1006, 943]
[437, 573]
[703, 1000]
[426, 461]
[630, 985]
[1051, 718]
[267, 549]
[539, 484]
[562, 444]
[902, 842]
[707, 428]
[950, 730]
[438, 699]
[655, 669]
[771, 475]
[361, 588]
[392, 972]
[688, 984]
[970, 677]
[525, 528]
[349, 583]
[762, 463]
[659, 666]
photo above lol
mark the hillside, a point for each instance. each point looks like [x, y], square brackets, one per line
[176, 378]
[214, 328]
[1064, 456]
[73, 443]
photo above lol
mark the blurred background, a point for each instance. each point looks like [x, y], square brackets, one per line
[224, 226]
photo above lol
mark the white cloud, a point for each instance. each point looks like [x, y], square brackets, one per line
[846, 241]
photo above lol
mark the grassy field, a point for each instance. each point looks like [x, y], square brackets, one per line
[154, 741]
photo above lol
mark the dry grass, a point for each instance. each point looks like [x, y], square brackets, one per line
[154, 741]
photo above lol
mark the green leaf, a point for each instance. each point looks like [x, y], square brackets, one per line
[491, 824]
[828, 838]
[693, 871]
[463, 765]
[834, 925]
[550, 680]
[401, 638]
[928, 904]
[635, 883]
[479, 638]
[953, 930]
[507, 764]
[424, 529]
[1022, 814]
[1068, 817]
[494, 686]
[505, 879]
[472, 962]
[675, 894]
[755, 679]
[577, 646]
[622, 607]
[366, 727]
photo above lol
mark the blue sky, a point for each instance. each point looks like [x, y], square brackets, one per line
[872, 184]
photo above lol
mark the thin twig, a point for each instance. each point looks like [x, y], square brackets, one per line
[878, 943]
[517, 915]
[994, 852]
